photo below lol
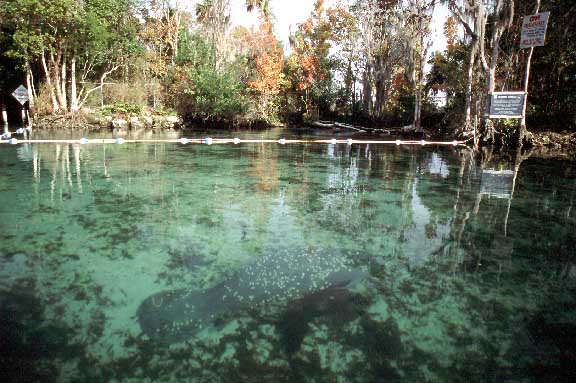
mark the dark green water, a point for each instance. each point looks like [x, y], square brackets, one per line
[348, 264]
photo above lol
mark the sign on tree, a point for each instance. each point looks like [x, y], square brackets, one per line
[534, 30]
[21, 94]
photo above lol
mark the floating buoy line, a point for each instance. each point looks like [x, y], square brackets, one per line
[210, 141]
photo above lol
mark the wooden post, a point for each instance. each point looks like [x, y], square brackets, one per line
[522, 130]
[4, 115]
[29, 117]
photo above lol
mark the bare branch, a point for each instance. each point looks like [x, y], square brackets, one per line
[99, 86]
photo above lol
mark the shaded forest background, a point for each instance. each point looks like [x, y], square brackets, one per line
[364, 62]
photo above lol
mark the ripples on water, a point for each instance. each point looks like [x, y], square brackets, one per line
[295, 263]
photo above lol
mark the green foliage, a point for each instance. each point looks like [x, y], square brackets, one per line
[195, 87]
[122, 108]
[164, 112]
[212, 94]
[506, 124]
[156, 53]
[98, 36]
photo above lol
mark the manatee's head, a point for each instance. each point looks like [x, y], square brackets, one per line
[346, 277]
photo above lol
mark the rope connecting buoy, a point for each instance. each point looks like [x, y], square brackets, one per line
[6, 135]
[210, 141]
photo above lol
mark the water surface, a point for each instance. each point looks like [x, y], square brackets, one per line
[359, 263]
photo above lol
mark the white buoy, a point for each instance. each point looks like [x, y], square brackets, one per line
[398, 142]
[184, 140]
[208, 140]
[83, 141]
[349, 141]
[237, 140]
[333, 141]
[13, 141]
[282, 141]
[423, 142]
[119, 140]
[455, 143]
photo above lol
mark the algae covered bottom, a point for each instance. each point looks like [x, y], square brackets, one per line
[299, 263]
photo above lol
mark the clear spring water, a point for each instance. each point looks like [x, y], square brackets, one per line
[347, 264]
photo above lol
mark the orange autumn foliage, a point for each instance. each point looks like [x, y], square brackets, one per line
[268, 58]
[309, 64]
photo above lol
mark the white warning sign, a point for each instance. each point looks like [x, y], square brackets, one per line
[21, 94]
[534, 30]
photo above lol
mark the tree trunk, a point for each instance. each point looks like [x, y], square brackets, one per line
[367, 86]
[469, 80]
[416, 85]
[56, 72]
[419, 79]
[502, 19]
[30, 87]
[63, 79]
[488, 126]
[354, 95]
[383, 80]
[378, 102]
[476, 13]
[73, 92]
[47, 73]
[522, 131]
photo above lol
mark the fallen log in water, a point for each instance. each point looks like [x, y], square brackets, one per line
[322, 124]
[331, 124]
[346, 126]
[381, 131]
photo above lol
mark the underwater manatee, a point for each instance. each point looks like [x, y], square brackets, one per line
[276, 277]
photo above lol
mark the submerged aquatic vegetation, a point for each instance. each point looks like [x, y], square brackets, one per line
[451, 283]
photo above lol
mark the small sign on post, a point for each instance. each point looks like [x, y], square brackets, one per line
[21, 94]
[534, 30]
[506, 104]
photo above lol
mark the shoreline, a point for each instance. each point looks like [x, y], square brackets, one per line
[545, 142]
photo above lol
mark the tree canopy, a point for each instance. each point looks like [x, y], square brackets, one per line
[357, 60]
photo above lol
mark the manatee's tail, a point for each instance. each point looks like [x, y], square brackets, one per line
[172, 316]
